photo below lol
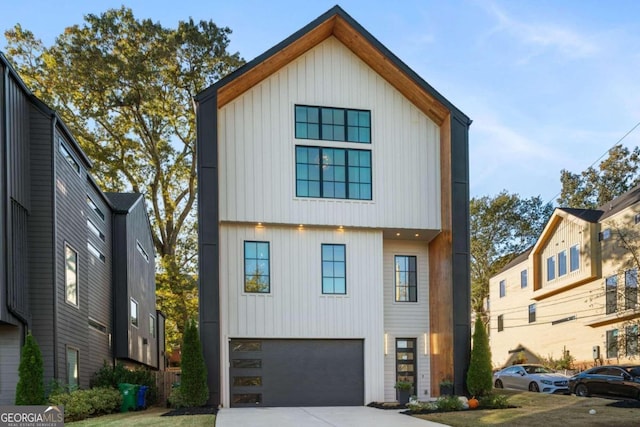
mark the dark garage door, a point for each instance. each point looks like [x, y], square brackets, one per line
[296, 372]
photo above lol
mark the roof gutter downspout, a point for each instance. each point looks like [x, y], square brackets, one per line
[54, 232]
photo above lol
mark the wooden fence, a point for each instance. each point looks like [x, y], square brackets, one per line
[164, 382]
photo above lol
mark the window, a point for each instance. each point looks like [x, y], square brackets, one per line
[631, 340]
[500, 322]
[503, 288]
[606, 234]
[523, 279]
[334, 277]
[94, 324]
[562, 263]
[142, 251]
[72, 368]
[333, 173]
[256, 267]
[95, 252]
[134, 313]
[574, 258]
[333, 124]
[95, 208]
[612, 343]
[152, 326]
[551, 268]
[406, 278]
[611, 297]
[636, 218]
[532, 313]
[71, 275]
[631, 288]
[68, 157]
[95, 230]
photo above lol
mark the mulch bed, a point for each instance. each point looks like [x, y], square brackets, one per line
[197, 410]
[386, 405]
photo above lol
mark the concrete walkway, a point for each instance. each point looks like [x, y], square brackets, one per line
[339, 416]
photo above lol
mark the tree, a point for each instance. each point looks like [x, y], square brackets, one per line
[501, 227]
[125, 88]
[593, 187]
[193, 381]
[480, 375]
[30, 388]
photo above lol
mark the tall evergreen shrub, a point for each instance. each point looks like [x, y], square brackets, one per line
[193, 380]
[480, 375]
[30, 388]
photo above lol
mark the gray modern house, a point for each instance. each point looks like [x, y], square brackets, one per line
[77, 265]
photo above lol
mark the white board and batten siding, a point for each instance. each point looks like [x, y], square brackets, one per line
[295, 307]
[256, 146]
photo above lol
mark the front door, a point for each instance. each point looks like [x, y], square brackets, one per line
[406, 361]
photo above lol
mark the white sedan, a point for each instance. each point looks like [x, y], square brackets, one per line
[531, 377]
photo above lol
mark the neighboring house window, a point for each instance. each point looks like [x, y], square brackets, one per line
[68, 157]
[611, 294]
[523, 279]
[406, 278]
[631, 288]
[574, 258]
[256, 267]
[333, 124]
[95, 230]
[333, 173]
[503, 288]
[551, 268]
[152, 326]
[95, 208]
[636, 218]
[334, 269]
[631, 340]
[134, 313]
[142, 251]
[606, 234]
[562, 263]
[94, 324]
[72, 368]
[612, 343]
[95, 252]
[500, 322]
[71, 275]
[532, 313]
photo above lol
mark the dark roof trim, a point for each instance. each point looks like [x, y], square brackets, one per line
[589, 215]
[123, 203]
[517, 260]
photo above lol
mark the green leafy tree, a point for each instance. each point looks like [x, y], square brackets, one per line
[594, 187]
[480, 375]
[125, 88]
[193, 381]
[30, 388]
[501, 227]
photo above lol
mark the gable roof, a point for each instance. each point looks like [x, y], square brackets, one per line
[337, 23]
[517, 260]
[621, 202]
[123, 202]
[589, 215]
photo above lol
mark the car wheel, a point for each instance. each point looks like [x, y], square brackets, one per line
[498, 384]
[534, 387]
[582, 390]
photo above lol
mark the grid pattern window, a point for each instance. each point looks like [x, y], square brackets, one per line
[523, 279]
[562, 263]
[72, 368]
[333, 173]
[134, 312]
[574, 258]
[71, 275]
[503, 288]
[142, 252]
[406, 278]
[64, 151]
[612, 344]
[551, 268]
[95, 208]
[334, 269]
[500, 322]
[611, 294]
[95, 252]
[333, 124]
[152, 326]
[256, 267]
[532, 313]
[95, 230]
[631, 340]
[631, 288]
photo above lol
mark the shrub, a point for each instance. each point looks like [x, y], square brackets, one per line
[175, 399]
[81, 404]
[480, 375]
[449, 403]
[108, 376]
[193, 381]
[494, 401]
[30, 388]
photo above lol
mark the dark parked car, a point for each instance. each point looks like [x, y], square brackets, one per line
[612, 380]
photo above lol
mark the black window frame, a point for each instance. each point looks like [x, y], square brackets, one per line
[66, 154]
[328, 120]
[256, 276]
[94, 207]
[409, 287]
[333, 276]
[500, 322]
[532, 313]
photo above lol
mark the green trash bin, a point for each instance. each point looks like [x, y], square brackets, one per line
[129, 394]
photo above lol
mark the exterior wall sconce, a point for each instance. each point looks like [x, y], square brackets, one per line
[386, 344]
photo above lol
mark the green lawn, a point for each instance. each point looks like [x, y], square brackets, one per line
[150, 417]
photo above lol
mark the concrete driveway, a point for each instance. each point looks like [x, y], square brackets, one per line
[338, 416]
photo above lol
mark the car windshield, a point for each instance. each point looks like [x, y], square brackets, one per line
[633, 370]
[537, 370]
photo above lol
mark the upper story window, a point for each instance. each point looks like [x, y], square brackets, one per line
[67, 156]
[532, 313]
[142, 251]
[333, 173]
[134, 312]
[256, 267]
[574, 258]
[551, 268]
[611, 294]
[71, 275]
[95, 252]
[95, 230]
[95, 208]
[631, 288]
[631, 340]
[333, 124]
[334, 269]
[503, 288]
[636, 218]
[523, 279]
[500, 322]
[406, 278]
[152, 325]
[606, 234]
[562, 263]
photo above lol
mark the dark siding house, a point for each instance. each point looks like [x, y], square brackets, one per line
[68, 258]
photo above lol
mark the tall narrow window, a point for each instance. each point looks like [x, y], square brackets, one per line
[68, 157]
[142, 251]
[574, 258]
[532, 313]
[500, 322]
[406, 278]
[152, 325]
[612, 344]
[334, 269]
[562, 263]
[523, 279]
[256, 267]
[631, 288]
[134, 313]
[631, 340]
[72, 368]
[503, 288]
[551, 268]
[71, 275]
[611, 294]
[92, 205]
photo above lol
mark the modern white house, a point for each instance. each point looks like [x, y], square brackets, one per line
[333, 225]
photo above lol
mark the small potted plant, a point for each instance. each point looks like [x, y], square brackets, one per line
[404, 391]
[446, 387]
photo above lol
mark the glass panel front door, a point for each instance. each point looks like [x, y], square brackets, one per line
[406, 361]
